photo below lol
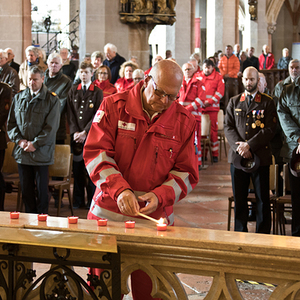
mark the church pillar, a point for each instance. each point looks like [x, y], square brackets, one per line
[271, 30]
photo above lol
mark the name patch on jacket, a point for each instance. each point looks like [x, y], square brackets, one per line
[126, 126]
[98, 116]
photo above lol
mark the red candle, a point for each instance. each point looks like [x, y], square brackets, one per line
[42, 217]
[102, 222]
[73, 220]
[129, 224]
[14, 215]
[161, 227]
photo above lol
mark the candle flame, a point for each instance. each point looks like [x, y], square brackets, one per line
[161, 221]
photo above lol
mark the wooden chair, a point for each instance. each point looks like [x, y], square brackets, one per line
[10, 172]
[62, 167]
[273, 181]
[221, 134]
[205, 136]
[283, 203]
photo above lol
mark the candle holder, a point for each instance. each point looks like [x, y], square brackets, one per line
[73, 220]
[161, 227]
[42, 217]
[129, 224]
[14, 215]
[102, 222]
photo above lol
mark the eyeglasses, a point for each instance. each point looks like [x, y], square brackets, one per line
[162, 94]
[103, 73]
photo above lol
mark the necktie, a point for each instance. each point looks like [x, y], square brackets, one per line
[249, 99]
[33, 95]
[84, 89]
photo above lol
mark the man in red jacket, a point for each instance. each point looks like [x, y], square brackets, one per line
[214, 89]
[192, 97]
[266, 59]
[140, 155]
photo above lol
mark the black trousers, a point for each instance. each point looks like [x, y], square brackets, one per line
[2, 182]
[240, 185]
[295, 195]
[31, 177]
[82, 180]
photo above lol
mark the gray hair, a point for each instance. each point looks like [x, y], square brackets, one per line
[36, 69]
[138, 73]
[4, 53]
[97, 54]
[110, 46]
[33, 49]
[54, 55]
[294, 61]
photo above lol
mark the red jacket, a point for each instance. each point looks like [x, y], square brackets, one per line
[214, 89]
[270, 61]
[127, 150]
[107, 87]
[230, 66]
[192, 96]
[124, 84]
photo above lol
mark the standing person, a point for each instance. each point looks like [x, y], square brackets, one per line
[83, 101]
[192, 97]
[113, 61]
[250, 123]
[68, 67]
[144, 122]
[266, 59]
[5, 101]
[284, 61]
[125, 82]
[214, 89]
[288, 113]
[236, 50]
[10, 59]
[253, 59]
[229, 64]
[7, 74]
[32, 125]
[32, 59]
[103, 76]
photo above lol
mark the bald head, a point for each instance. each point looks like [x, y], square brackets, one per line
[250, 79]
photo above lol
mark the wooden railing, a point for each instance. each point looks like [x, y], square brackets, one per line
[224, 256]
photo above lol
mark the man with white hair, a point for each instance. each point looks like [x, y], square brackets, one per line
[7, 74]
[284, 61]
[10, 59]
[113, 61]
[32, 58]
[68, 67]
[266, 59]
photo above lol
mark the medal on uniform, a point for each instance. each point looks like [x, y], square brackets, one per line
[262, 113]
[257, 123]
[253, 113]
[91, 105]
[258, 114]
[262, 125]
[253, 125]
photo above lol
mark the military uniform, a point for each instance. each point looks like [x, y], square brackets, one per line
[81, 109]
[288, 112]
[255, 125]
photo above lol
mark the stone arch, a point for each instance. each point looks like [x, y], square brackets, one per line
[273, 10]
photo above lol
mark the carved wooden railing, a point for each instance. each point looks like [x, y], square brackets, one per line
[225, 256]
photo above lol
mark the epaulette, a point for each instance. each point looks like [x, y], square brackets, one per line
[267, 95]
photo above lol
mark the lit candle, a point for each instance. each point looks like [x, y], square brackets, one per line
[102, 222]
[129, 224]
[42, 217]
[161, 226]
[14, 215]
[73, 220]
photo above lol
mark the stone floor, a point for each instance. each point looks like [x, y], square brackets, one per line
[205, 207]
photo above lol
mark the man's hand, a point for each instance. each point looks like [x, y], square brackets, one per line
[244, 149]
[29, 148]
[80, 137]
[23, 143]
[151, 205]
[206, 103]
[226, 76]
[127, 203]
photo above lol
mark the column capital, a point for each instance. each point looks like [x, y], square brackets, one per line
[271, 28]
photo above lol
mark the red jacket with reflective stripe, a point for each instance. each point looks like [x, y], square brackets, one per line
[124, 84]
[192, 95]
[214, 89]
[127, 150]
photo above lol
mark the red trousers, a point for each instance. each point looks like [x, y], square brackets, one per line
[213, 115]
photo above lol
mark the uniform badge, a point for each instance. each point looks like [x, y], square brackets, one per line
[98, 116]
[257, 123]
[253, 125]
[91, 105]
[262, 125]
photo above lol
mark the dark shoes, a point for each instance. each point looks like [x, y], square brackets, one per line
[215, 159]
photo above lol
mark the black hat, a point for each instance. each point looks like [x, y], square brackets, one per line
[295, 163]
[77, 148]
[248, 165]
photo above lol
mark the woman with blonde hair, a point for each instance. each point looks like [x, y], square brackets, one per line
[126, 82]
[103, 76]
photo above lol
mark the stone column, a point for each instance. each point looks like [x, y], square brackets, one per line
[271, 29]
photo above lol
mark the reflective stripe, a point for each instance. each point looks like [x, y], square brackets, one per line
[216, 105]
[215, 99]
[195, 106]
[99, 159]
[196, 113]
[208, 96]
[219, 94]
[184, 176]
[185, 103]
[176, 188]
[104, 174]
[171, 219]
[199, 101]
